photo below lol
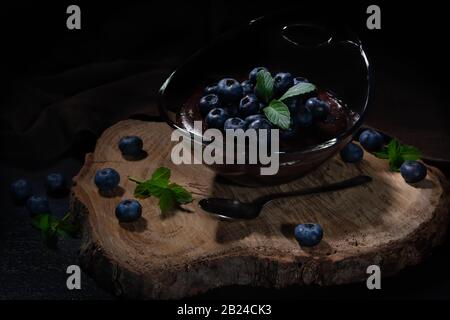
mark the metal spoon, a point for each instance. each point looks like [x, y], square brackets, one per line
[230, 209]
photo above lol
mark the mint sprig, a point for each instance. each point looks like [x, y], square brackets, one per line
[298, 89]
[159, 186]
[51, 227]
[398, 153]
[278, 113]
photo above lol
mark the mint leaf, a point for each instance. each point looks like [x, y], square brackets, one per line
[264, 85]
[160, 187]
[67, 229]
[161, 174]
[278, 113]
[298, 89]
[46, 224]
[395, 162]
[51, 227]
[41, 222]
[166, 200]
[181, 194]
[393, 148]
[398, 153]
[143, 190]
[410, 152]
[381, 154]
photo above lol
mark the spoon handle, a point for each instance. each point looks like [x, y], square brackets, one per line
[349, 183]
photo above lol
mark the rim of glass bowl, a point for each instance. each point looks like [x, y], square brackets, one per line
[162, 103]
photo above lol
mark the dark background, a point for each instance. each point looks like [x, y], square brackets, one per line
[62, 88]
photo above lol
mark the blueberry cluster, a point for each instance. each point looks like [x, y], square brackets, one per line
[107, 179]
[22, 193]
[233, 105]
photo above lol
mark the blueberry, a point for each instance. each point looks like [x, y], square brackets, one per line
[232, 110]
[210, 89]
[247, 87]
[38, 205]
[131, 146]
[308, 234]
[229, 89]
[254, 117]
[249, 105]
[254, 73]
[260, 124]
[107, 179]
[413, 171]
[352, 153]
[128, 211]
[290, 133]
[208, 102]
[282, 82]
[234, 123]
[216, 118]
[304, 119]
[294, 105]
[371, 140]
[56, 183]
[319, 109]
[21, 190]
[297, 80]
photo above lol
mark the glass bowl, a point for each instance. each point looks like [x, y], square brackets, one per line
[330, 56]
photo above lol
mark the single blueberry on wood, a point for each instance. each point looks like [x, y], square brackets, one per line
[21, 190]
[38, 205]
[128, 211]
[131, 146]
[107, 179]
[413, 171]
[371, 140]
[352, 153]
[308, 234]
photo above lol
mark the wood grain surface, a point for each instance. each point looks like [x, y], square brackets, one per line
[184, 252]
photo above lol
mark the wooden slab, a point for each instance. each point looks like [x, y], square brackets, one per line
[387, 222]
